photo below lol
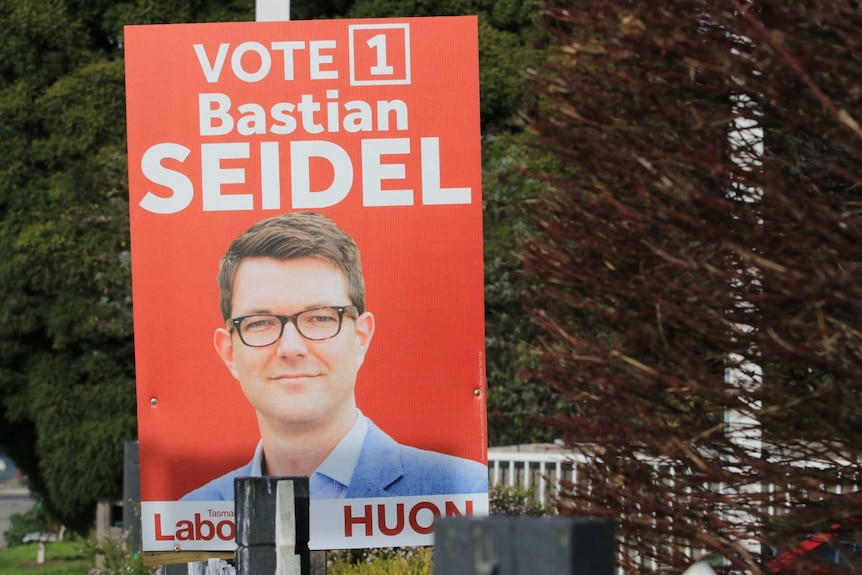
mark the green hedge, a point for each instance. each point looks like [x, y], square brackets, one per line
[400, 561]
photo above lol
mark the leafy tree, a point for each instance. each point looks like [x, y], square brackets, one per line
[517, 404]
[44, 220]
[698, 269]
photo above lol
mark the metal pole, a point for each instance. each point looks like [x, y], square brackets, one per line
[272, 10]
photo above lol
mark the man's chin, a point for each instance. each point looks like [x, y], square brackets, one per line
[298, 415]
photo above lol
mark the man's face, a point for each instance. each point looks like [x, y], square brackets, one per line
[295, 381]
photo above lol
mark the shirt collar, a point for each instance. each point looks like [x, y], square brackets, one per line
[257, 461]
[340, 462]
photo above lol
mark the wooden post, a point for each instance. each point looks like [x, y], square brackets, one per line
[103, 519]
[524, 546]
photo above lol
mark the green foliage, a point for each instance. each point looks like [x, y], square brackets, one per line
[81, 450]
[503, 58]
[84, 113]
[39, 41]
[516, 403]
[403, 561]
[66, 356]
[113, 556]
[109, 18]
[20, 524]
[513, 501]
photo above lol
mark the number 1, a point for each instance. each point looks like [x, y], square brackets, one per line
[378, 42]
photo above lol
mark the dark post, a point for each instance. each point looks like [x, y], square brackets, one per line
[524, 546]
[132, 495]
[272, 525]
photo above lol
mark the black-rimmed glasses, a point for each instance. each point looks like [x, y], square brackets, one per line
[261, 330]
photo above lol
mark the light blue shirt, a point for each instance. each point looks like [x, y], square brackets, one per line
[332, 476]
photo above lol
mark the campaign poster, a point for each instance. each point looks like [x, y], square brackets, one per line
[373, 125]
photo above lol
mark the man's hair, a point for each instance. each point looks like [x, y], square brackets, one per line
[293, 236]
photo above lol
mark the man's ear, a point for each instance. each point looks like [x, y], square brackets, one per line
[224, 347]
[364, 333]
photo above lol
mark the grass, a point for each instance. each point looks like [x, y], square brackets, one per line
[61, 558]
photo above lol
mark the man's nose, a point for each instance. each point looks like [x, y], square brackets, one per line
[291, 343]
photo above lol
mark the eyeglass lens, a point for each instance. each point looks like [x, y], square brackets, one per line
[263, 330]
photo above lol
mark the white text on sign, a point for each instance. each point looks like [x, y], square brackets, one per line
[301, 153]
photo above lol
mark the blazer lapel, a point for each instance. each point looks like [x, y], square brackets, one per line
[378, 467]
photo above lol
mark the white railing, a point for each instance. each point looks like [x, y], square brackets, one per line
[537, 471]
[540, 470]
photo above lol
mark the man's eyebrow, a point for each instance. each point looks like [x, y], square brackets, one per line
[268, 311]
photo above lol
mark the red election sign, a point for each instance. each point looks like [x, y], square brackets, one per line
[326, 134]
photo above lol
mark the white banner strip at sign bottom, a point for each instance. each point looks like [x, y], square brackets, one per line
[334, 523]
[387, 521]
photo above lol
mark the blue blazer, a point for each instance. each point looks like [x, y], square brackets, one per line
[385, 468]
